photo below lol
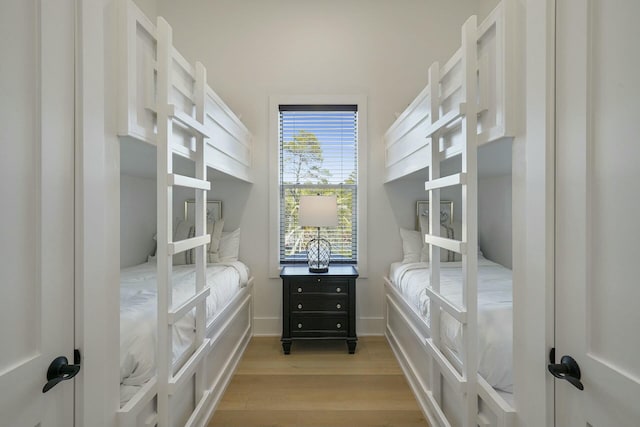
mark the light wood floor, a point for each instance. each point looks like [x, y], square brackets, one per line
[318, 384]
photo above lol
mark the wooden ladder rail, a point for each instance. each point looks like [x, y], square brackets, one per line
[465, 381]
[167, 115]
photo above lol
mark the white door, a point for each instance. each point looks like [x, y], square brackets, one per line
[37, 194]
[598, 211]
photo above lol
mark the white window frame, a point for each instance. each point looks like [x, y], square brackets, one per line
[274, 171]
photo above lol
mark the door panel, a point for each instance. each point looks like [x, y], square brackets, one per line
[597, 210]
[37, 190]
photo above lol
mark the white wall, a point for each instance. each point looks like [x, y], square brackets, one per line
[137, 219]
[378, 48]
[494, 218]
[484, 7]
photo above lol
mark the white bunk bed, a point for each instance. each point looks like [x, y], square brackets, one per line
[166, 102]
[466, 104]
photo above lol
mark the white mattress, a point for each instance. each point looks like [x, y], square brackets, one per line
[495, 314]
[138, 305]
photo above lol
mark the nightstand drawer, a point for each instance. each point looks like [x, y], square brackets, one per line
[319, 285]
[310, 326]
[315, 302]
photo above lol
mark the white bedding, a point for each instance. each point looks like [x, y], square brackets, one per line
[495, 314]
[138, 317]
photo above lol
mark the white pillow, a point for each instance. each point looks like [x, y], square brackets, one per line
[214, 246]
[186, 230]
[411, 245]
[229, 246]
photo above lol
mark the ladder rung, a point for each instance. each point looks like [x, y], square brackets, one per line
[192, 125]
[436, 410]
[483, 421]
[189, 367]
[152, 420]
[443, 121]
[447, 181]
[200, 407]
[494, 402]
[185, 245]
[139, 400]
[185, 307]
[455, 312]
[449, 244]
[448, 370]
[185, 181]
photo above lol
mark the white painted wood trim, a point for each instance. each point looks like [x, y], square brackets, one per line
[180, 312]
[274, 194]
[202, 405]
[506, 414]
[456, 380]
[190, 124]
[411, 351]
[447, 181]
[442, 302]
[189, 368]
[187, 244]
[449, 244]
[229, 153]
[165, 249]
[501, 98]
[188, 182]
[146, 393]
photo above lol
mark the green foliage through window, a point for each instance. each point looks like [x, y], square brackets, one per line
[318, 155]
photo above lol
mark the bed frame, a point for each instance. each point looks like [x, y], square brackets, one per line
[406, 141]
[166, 102]
[466, 104]
[229, 144]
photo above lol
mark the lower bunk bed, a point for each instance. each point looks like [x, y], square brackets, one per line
[408, 332]
[228, 327]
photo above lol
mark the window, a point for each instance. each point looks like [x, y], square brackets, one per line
[318, 154]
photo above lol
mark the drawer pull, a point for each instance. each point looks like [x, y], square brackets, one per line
[300, 306]
[299, 325]
[299, 290]
[338, 289]
[338, 306]
[318, 280]
[339, 325]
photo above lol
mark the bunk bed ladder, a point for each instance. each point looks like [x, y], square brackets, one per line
[466, 380]
[168, 114]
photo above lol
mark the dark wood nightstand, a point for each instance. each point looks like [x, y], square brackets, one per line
[319, 305]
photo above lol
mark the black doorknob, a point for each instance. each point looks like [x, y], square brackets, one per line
[59, 370]
[567, 369]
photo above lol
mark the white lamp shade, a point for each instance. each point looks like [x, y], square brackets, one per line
[318, 211]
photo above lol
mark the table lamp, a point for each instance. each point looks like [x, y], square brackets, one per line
[318, 211]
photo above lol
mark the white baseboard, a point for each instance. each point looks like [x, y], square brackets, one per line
[370, 326]
[272, 326]
[267, 326]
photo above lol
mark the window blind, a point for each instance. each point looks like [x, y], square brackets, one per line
[318, 155]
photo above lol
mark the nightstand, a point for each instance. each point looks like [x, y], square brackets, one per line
[319, 305]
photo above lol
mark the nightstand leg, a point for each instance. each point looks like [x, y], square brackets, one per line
[286, 347]
[352, 346]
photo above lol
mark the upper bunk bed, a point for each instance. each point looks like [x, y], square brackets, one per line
[408, 139]
[229, 144]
